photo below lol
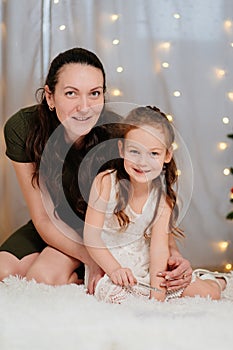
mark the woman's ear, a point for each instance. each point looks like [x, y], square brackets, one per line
[49, 97]
[121, 148]
[169, 155]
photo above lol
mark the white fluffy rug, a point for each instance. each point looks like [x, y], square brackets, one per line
[36, 316]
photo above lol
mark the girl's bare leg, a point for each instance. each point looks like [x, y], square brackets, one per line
[205, 288]
[54, 268]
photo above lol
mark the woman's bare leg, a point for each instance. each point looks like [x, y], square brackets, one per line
[54, 268]
[11, 265]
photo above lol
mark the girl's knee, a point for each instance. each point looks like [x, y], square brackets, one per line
[49, 276]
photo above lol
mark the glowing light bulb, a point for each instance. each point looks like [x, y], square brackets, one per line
[225, 120]
[62, 27]
[119, 69]
[227, 24]
[231, 44]
[165, 64]
[56, 1]
[176, 15]
[178, 172]
[230, 95]
[226, 171]
[222, 146]
[176, 93]
[165, 45]
[116, 92]
[116, 41]
[174, 146]
[228, 266]
[220, 73]
[170, 117]
[223, 245]
[114, 17]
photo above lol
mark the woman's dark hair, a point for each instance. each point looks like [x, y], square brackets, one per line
[48, 121]
[137, 118]
[48, 167]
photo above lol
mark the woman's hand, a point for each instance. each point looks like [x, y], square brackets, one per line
[123, 277]
[95, 274]
[179, 274]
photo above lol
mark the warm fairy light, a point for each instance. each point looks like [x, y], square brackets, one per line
[165, 45]
[114, 17]
[228, 266]
[170, 117]
[222, 146]
[176, 93]
[226, 171]
[62, 27]
[56, 1]
[178, 172]
[165, 64]
[225, 120]
[223, 245]
[176, 15]
[227, 24]
[116, 92]
[230, 95]
[115, 41]
[231, 44]
[174, 146]
[119, 69]
[220, 73]
[231, 195]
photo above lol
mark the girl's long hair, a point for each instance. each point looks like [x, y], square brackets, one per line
[137, 118]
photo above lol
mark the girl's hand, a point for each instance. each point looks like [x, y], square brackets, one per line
[179, 273]
[95, 274]
[123, 277]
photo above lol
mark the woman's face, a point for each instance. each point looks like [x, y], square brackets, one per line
[78, 98]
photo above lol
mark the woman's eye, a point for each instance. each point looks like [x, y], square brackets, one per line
[95, 93]
[70, 93]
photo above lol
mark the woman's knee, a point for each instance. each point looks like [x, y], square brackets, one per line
[49, 275]
[9, 265]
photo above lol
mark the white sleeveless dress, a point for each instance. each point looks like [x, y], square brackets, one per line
[130, 247]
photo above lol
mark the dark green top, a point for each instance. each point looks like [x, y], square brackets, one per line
[96, 156]
[15, 132]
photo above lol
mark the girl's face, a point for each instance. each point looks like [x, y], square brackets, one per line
[144, 152]
[78, 98]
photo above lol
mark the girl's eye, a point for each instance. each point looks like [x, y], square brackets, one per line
[134, 151]
[154, 154]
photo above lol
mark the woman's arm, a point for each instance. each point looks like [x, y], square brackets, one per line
[94, 221]
[43, 223]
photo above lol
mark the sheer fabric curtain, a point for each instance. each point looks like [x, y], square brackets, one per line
[166, 48]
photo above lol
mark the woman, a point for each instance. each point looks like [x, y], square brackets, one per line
[55, 136]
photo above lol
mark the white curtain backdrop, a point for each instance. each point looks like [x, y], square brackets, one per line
[165, 46]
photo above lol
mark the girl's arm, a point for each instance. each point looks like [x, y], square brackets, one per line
[94, 221]
[159, 251]
[179, 271]
[46, 228]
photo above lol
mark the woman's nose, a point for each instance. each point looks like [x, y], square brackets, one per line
[82, 104]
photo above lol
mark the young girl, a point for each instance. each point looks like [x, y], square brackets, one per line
[132, 211]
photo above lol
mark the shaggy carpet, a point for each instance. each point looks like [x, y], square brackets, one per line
[36, 316]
